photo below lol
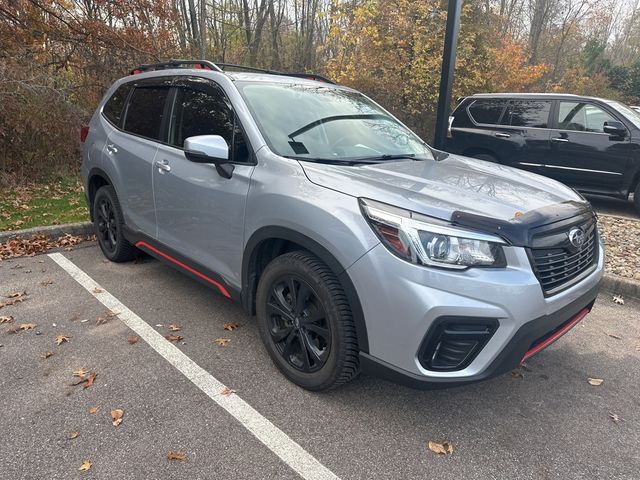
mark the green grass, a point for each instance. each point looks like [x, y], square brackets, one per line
[55, 203]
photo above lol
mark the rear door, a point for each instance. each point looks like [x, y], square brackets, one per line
[582, 155]
[201, 214]
[131, 150]
[526, 122]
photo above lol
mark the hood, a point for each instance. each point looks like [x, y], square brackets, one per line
[439, 188]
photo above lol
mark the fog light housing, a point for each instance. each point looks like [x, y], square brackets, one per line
[452, 343]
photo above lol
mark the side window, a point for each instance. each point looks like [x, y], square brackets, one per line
[527, 113]
[145, 110]
[201, 108]
[486, 111]
[114, 108]
[582, 117]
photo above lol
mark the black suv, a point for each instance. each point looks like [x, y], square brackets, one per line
[591, 144]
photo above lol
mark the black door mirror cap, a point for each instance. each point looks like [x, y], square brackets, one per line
[201, 157]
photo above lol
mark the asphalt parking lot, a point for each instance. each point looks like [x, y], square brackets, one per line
[548, 423]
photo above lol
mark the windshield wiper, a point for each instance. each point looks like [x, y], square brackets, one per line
[385, 157]
[334, 161]
[363, 116]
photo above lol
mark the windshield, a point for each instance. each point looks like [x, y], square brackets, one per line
[629, 113]
[311, 122]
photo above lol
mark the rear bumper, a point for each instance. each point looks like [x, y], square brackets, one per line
[528, 340]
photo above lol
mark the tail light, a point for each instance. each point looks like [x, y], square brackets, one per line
[449, 133]
[84, 132]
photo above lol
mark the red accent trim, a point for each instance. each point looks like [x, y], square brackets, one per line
[84, 132]
[568, 326]
[136, 72]
[218, 285]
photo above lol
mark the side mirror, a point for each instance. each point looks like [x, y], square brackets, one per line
[616, 128]
[209, 149]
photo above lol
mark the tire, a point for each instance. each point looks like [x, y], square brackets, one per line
[109, 226]
[486, 157]
[636, 198]
[322, 321]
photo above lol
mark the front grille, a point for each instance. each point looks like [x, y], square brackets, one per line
[558, 264]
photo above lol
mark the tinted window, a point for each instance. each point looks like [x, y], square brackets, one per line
[582, 117]
[486, 111]
[527, 113]
[114, 107]
[202, 109]
[145, 111]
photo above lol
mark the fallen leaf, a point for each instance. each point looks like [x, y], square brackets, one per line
[73, 435]
[516, 374]
[15, 329]
[174, 327]
[116, 416]
[47, 354]
[223, 342]
[615, 417]
[80, 372]
[618, 299]
[97, 290]
[108, 315]
[46, 283]
[173, 338]
[93, 410]
[60, 339]
[86, 465]
[613, 335]
[444, 448]
[132, 340]
[27, 326]
[90, 379]
[595, 381]
[226, 391]
[8, 319]
[176, 456]
[14, 298]
[231, 326]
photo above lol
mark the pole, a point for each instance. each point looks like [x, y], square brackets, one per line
[448, 68]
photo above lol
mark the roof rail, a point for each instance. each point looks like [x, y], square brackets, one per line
[174, 63]
[221, 67]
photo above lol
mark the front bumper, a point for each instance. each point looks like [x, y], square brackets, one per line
[400, 309]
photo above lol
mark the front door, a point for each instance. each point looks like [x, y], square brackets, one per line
[201, 214]
[582, 155]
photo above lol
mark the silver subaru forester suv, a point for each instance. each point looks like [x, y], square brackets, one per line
[356, 245]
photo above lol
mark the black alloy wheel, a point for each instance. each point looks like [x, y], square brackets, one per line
[106, 224]
[298, 324]
[305, 322]
[109, 226]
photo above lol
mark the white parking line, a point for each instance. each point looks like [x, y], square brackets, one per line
[275, 439]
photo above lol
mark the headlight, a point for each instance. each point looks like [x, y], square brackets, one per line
[427, 241]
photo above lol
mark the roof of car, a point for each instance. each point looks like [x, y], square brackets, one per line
[536, 95]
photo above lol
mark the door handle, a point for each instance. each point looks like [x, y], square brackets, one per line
[111, 148]
[501, 135]
[163, 166]
[559, 140]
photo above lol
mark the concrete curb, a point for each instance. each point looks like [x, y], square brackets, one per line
[621, 286]
[52, 231]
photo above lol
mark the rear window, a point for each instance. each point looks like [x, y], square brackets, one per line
[527, 113]
[114, 107]
[145, 111]
[486, 111]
